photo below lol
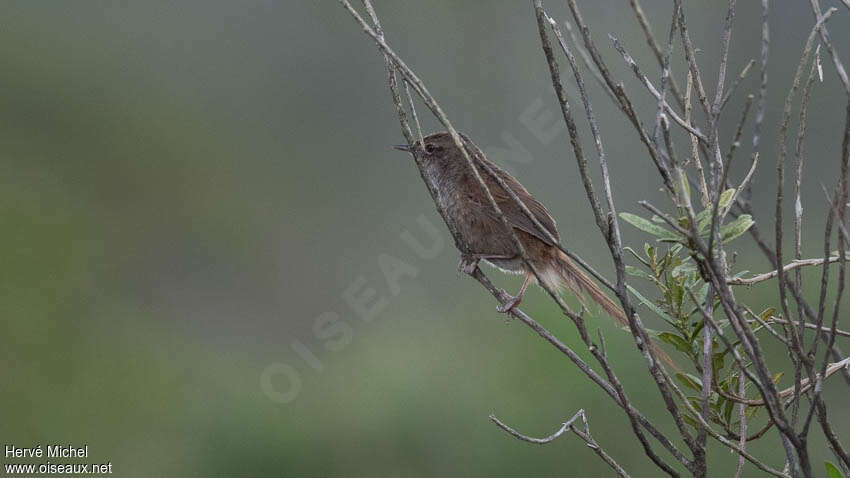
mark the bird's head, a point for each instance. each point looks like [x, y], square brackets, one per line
[438, 148]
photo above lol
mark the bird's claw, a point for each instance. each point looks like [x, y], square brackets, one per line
[467, 265]
[508, 303]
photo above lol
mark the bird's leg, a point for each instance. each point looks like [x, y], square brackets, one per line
[468, 262]
[512, 302]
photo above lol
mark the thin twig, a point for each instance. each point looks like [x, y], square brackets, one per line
[799, 362]
[809, 325]
[724, 60]
[619, 91]
[736, 141]
[595, 206]
[762, 94]
[650, 40]
[767, 326]
[665, 78]
[805, 385]
[654, 92]
[703, 186]
[538, 441]
[741, 76]
[833, 52]
[588, 63]
[705, 393]
[788, 267]
[413, 112]
[568, 425]
[742, 418]
[690, 57]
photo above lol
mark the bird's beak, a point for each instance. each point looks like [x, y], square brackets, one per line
[403, 147]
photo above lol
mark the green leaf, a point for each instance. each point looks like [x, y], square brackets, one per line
[691, 421]
[634, 271]
[678, 293]
[684, 268]
[653, 334]
[767, 313]
[751, 412]
[690, 381]
[728, 405]
[832, 471]
[717, 361]
[648, 226]
[676, 341]
[735, 228]
[703, 219]
[703, 291]
[636, 255]
[643, 300]
[649, 250]
[716, 404]
[695, 401]
[697, 328]
[726, 199]
[672, 239]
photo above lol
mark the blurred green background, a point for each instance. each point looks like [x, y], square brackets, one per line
[196, 195]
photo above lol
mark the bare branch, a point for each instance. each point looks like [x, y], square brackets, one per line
[568, 425]
[652, 90]
[810, 325]
[703, 186]
[742, 417]
[588, 63]
[705, 394]
[762, 95]
[805, 385]
[741, 77]
[690, 57]
[724, 60]
[788, 267]
[619, 91]
[736, 141]
[824, 36]
[650, 40]
[539, 441]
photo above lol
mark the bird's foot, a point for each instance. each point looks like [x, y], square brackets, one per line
[508, 303]
[467, 264]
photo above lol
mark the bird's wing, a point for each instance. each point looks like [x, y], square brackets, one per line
[513, 212]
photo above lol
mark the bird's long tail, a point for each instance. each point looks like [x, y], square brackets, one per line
[565, 274]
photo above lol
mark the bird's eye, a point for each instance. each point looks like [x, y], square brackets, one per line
[430, 148]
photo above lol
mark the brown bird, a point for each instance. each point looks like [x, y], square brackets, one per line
[482, 232]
